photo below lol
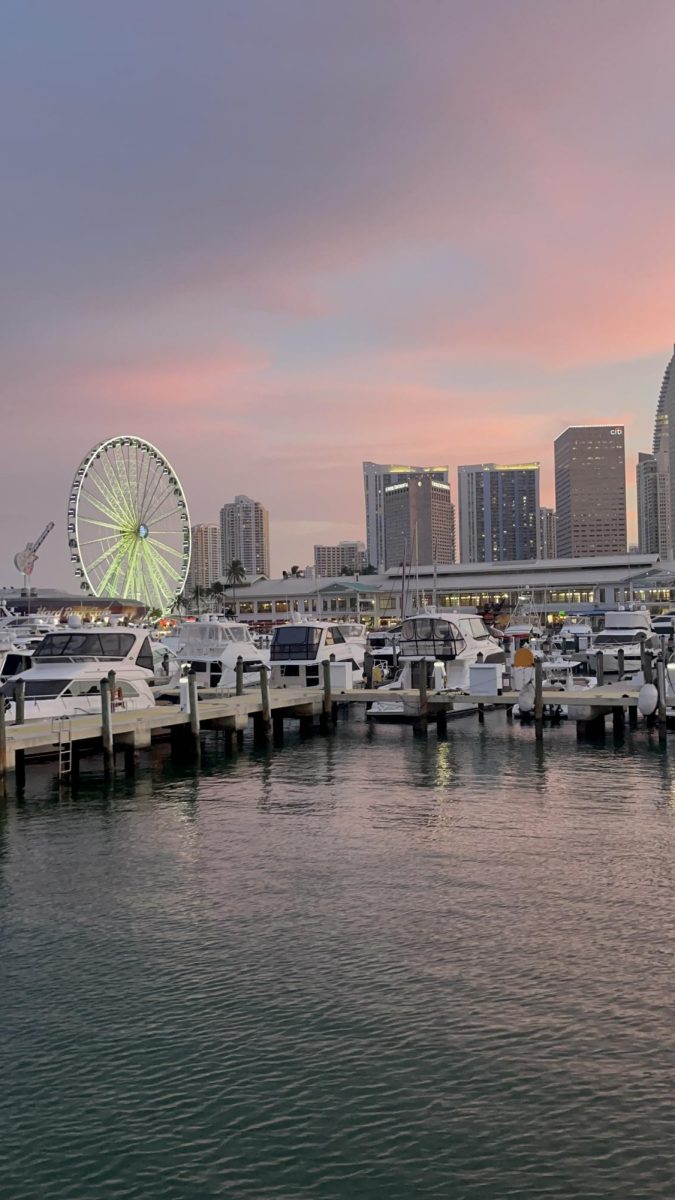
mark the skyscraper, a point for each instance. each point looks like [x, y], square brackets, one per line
[547, 533]
[590, 491]
[377, 477]
[653, 505]
[419, 522]
[498, 512]
[656, 480]
[244, 530]
[205, 562]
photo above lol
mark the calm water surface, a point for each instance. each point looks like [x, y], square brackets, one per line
[363, 966]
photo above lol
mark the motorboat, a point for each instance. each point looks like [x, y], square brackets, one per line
[210, 646]
[575, 635]
[14, 659]
[383, 646]
[628, 630]
[299, 648]
[524, 622]
[26, 626]
[445, 646]
[664, 625]
[68, 688]
[102, 644]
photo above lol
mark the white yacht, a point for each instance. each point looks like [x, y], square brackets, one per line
[445, 646]
[628, 630]
[299, 648]
[13, 659]
[74, 689]
[67, 668]
[102, 644]
[210, 647]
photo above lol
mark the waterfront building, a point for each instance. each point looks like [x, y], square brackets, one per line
[419, 521]
[558, 586]
[377, 477]
[590, 491]
[653, 506]
[547, 533]
[334, 560]
[205, 561]
[498, 512]
[244, 532]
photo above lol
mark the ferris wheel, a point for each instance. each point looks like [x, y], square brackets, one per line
[128, 524]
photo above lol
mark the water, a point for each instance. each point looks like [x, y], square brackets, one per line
[363, 966]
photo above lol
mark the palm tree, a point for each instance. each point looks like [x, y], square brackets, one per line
[217, 590]
[236, 573]
[181, 603]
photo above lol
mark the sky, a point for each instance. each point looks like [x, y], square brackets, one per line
[278, 237]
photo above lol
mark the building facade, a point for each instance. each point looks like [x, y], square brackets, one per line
[205, 561]
[377, 477]
[498, 512]
[653, 506]
[547, 533]
[419, 522]
[557, 586]
[590, 491]
[656, 523]
[334, 560]
[244, 534]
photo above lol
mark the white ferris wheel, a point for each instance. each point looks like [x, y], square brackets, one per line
[128, 524]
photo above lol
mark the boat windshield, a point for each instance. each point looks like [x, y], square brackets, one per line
[85, 645]
[295, 642]
[616, 638]
[38, 689]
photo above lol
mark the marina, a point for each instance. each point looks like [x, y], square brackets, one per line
[266, 711]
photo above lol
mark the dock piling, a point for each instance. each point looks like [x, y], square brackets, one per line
[661, 680]
[194, 714]
[3, 745]
[538, 700]
[368, 668]
[327, 710]
[620, 661]
[262, 722]
[421, 724]
[599, 667]
[646, 663]
[240, 676]
[19, 718]
[106, 727]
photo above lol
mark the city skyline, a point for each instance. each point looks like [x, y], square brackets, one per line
[274, 291]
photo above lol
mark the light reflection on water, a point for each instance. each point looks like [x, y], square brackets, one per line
[358, 966]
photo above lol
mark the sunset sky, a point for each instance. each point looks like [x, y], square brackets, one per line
[277, 237]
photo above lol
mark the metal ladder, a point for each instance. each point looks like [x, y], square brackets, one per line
[65, 746]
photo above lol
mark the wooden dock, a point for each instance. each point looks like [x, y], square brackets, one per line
[266, 709]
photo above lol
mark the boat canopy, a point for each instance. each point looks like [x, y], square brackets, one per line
[430, 637]
[298, 643]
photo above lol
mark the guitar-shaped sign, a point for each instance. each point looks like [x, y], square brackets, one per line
[26, 559]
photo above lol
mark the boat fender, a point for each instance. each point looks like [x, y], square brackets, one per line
[526, 698]
[648, 699]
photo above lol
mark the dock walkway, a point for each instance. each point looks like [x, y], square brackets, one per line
[136, 730]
